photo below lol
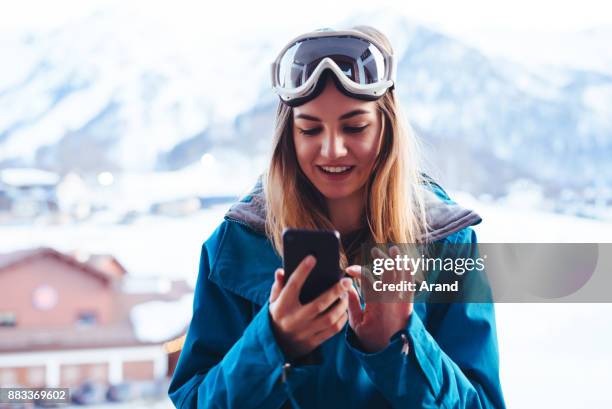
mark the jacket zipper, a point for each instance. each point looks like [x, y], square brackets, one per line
[405, 346]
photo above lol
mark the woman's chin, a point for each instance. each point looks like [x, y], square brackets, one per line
[335, 193]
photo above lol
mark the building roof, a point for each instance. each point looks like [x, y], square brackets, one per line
[101, 266]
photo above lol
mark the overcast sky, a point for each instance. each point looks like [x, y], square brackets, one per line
[454, 16]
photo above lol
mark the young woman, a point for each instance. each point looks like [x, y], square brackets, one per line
[343, 160]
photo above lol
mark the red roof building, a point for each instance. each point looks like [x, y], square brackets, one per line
[65, 318]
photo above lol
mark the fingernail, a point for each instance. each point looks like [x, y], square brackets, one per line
[310, 260]
[347, 283]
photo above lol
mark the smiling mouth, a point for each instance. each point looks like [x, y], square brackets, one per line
[336, 170]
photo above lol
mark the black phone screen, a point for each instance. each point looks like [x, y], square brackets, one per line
[324, 245]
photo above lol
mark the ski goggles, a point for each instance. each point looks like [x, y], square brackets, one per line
[361, 66]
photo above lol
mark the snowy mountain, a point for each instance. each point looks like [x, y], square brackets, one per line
[486, 122]
[501, 119]
[115, 92]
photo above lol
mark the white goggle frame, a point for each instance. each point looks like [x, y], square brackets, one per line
[372, 91]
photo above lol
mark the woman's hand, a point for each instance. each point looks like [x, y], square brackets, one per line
[375, 324]
[298, 328]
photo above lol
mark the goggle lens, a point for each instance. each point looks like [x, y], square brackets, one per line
[361, 61]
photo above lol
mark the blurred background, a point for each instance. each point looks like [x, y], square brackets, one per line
[127, 129]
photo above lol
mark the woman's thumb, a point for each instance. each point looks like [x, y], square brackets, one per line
[279, 282]
[354, 308]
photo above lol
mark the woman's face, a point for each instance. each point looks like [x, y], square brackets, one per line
[337, 140]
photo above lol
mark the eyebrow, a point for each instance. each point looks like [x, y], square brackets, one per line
[343, 116]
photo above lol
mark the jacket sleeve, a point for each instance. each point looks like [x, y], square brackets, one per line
[230, 358]
[454, 364]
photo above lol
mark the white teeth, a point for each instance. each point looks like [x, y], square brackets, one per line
[335, 169]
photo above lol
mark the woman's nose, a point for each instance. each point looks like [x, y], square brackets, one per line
[333, 147]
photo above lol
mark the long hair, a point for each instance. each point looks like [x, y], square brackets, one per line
[394, 209]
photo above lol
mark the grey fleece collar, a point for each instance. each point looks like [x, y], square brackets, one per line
[444, 216]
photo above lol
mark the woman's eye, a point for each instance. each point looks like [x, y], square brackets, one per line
[311, 131]
[355, 129]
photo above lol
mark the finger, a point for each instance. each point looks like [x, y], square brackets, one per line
[357, 273]
[279, 278]
[363, 277]
[331, 330]
[404, 274]
[355, 312]
[354, 271]
[325, 300]
[388, 276]
[328, 319]
[378, 253]
[297, 278]
[395, 274]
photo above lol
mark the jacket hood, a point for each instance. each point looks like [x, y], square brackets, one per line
[444, 216]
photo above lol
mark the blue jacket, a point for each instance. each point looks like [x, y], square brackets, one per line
[230, 358]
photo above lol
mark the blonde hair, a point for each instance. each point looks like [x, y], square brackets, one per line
[395, 209]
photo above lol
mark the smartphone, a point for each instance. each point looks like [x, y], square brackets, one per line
[324, 245]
